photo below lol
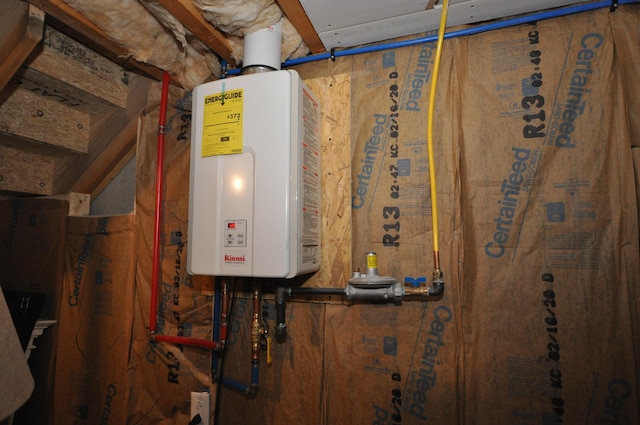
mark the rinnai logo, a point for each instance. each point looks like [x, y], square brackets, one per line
[234, 259]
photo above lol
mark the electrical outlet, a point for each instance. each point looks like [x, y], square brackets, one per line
[200, 406]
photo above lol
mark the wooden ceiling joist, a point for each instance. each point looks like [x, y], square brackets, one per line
[294, 11]
[185, 12]
[113, 137]
[21, 29]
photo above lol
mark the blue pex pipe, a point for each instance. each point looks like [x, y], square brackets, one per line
[255, 374]
[233, 384]
[519, 20]
[215, 358]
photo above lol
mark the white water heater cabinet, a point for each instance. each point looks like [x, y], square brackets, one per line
[254, 193]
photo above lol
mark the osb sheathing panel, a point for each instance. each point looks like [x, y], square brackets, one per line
[335, 94]
[25, 114]
[22, 27]
[25, 171]
[50, 87]
[66, 61]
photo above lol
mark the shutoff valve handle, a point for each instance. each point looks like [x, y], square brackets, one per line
[415, 282]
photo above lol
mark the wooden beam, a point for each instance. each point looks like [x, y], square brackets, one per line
[185, 12]
[110, 142]
[79, 71]
[110, 161]
[21, 29]
[79, 203]
[27, 115]
[25, 171]
[47, 86]
[92, 36]
[294, 11]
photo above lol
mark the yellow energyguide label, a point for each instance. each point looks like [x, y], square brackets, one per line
[222, 129]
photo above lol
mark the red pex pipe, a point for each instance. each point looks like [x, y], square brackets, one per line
[153, 315]
[153, 319]
[162, 120]
[183, 340]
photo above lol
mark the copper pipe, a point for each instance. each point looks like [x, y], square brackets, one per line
[436, 260]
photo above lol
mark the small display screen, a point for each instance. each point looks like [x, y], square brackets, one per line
[231, 225]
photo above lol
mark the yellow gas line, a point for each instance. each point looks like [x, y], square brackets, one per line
[437, 273]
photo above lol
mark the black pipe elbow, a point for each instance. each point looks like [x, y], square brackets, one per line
[437, 288]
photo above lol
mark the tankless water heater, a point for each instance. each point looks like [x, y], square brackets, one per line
[254, 198]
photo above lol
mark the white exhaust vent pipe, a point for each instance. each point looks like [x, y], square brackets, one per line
[262, 50]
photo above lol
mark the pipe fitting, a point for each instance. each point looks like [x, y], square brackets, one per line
[437, 288]
[437, 274]
[281, 325]
[421, 291]
[418, 286]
